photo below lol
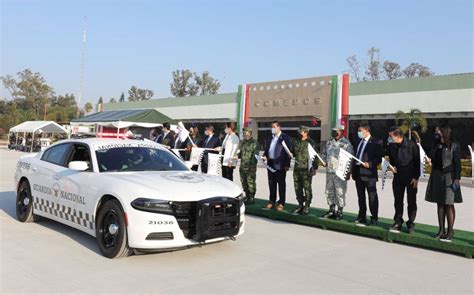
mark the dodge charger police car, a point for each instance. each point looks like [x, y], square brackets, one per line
[130, 195]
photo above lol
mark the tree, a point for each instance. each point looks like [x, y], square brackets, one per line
[354, 67]
[137, 94]
[411, 122]
[112, 100]
[30, 91]
[392, 70]
[372, 72]
[417, 70]
[207, 85]
[122, 98]
[182, 86]
[88, 108]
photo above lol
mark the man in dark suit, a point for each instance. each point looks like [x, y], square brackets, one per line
[211, 141]
[369, 150]
[166, 138]
[277, 158]
[404, 157]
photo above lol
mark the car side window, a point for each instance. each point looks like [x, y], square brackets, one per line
[80, 153]
[55, 154]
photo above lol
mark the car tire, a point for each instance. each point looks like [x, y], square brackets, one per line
[111, 230]
[24, 203]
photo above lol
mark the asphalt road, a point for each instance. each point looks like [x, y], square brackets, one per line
[272, 257]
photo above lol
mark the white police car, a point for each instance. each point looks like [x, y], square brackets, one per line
[130, 195]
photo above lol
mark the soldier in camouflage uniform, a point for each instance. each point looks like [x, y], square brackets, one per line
[248, 165]
[336, 188]
[302, 174]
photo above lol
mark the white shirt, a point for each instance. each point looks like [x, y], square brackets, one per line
[361, 148]
[271, 150]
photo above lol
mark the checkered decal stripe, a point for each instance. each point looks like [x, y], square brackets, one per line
[61, 211]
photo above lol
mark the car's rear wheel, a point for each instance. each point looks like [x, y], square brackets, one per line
[111, 230]
[24, 203]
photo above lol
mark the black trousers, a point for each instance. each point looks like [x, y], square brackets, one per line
[399, 188]
[228, 172]
[370, 187]
[275, 179]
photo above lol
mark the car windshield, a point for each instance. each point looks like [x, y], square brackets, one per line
[126, 159]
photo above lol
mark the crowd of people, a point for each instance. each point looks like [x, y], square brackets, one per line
[404, 158]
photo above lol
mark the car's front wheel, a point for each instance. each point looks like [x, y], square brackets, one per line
[111, 230]
[24, 203]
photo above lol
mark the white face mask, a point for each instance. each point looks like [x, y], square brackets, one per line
[226, 131]
[274, 131]
[206, 133]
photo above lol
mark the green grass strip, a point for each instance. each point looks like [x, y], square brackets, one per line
[462, 243]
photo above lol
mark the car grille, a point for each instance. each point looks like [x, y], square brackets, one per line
[185, 214]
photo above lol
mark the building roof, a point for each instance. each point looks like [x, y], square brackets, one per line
[174, 102]
[141, 116]
[431, 83]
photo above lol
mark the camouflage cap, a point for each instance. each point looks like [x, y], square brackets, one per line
[303, 129]
[246, 129]
[338, 127]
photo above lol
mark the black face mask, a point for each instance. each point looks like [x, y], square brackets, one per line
[437, 138]
[334, 134]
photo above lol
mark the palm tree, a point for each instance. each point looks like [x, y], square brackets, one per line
[411, 121]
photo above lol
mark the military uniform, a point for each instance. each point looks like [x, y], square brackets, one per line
[336, 188]
[302, 174]
[248, 168]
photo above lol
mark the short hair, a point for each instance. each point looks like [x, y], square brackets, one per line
[365, 126]
[396, 131]
[276, 123]
[167, 125]
[210, 128]
[231, 126]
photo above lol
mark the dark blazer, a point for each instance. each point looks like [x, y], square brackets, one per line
[166, 140]
[282, 160]
[373, 155]
[213, 142]
[406, 158]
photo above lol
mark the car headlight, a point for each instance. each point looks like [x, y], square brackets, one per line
[152, 205]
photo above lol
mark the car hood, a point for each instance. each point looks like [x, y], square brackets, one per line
[173, 185]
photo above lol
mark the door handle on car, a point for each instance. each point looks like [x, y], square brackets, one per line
[56, 177]
[34, 169]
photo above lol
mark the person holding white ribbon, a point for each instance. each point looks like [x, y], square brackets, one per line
[229, 150]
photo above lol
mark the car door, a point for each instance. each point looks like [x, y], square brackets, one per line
[46, 182]
[77, 199]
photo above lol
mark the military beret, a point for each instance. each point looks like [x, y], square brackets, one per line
[304, 129]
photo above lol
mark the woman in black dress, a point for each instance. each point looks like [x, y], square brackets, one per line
[444, 182]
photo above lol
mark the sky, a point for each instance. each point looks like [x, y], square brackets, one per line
[238, 41]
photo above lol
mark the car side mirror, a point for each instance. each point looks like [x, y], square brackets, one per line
[189, 164]
[78, 165]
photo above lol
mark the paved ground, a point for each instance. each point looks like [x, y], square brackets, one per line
[272, 257]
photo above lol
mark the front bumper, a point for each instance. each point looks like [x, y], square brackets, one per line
[192, 223]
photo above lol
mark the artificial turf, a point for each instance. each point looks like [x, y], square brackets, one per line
[462, 243]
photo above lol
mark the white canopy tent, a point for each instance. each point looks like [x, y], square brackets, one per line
[34, 127]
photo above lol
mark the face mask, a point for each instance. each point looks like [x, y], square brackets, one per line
[226, 131]
[334, 134]
[360, 134]
[437, 138]
[274, 131]
[206, 133]
[389, 140]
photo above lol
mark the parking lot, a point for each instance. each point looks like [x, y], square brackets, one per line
[271, 257]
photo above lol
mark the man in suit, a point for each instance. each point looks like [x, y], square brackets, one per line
[369, 150]
[277, 158]
[166, 138]
[211, 141]
[404, 157]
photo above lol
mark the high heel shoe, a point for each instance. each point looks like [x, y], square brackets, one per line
[440, 234]
[447, 237]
